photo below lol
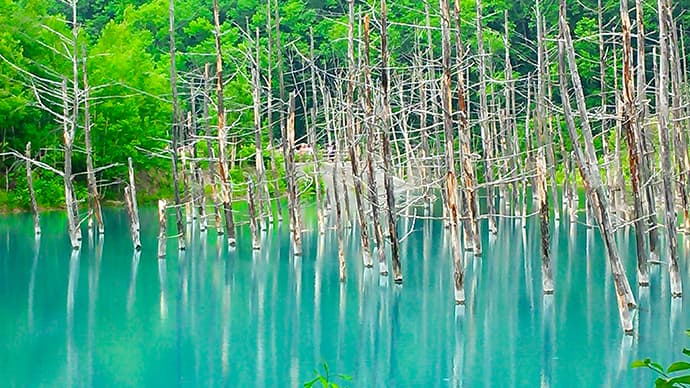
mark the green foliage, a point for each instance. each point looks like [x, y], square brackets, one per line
[326, 379]
[674, 376]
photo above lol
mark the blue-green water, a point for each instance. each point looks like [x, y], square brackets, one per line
[210, 317]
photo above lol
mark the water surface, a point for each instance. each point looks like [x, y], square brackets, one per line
[103, 316]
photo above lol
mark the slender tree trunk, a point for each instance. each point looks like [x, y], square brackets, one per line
[281, 91]
[628, 121]
[130, 204]
[587, 163]
[269, 112]
[225, 186]
[385, 144]
[253, 225]
[94, 202]
[32, 193]
[371, 173]
[209, 150]
[175, 125]
[291, 173]
[451, 180]
[470, 208]
[312, 135]
[68, 136]
[162, 228]
[484, 123]
[354, 160]
[258, 147]
[665, 155]
[133, 191]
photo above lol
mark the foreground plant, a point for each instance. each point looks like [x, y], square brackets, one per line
[325, 378]
[676, 375]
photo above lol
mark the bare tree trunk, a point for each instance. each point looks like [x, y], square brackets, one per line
[665, 155]
[130, 203]
[225, 187]
[291, 173]
[470, 208]
[162, 228]
[541, 188]
[354, 160]
[68, 136]
[628, 120]
[175, 125]
[281, 91]
[371, 135]
[587, 163]
[484, 123]
[32, 194]
[385, 144]
[253, 225]
[269, 112]
[258, 147]
[451, 180]
[133, 191]
[342, 265]
[209, 151]
[94, 202]
[312, 136]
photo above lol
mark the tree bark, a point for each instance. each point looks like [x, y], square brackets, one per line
[176, 122]
[290, 172]
[94, 201]
[32, 193]
[162, 228]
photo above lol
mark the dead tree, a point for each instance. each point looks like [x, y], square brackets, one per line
[451, 179]
[176, 122]
[162, 228]
[32, 194]
[69, 126]
[665, 153]
[253, 225]
[94, 201]
[209, 150]
[386, 148]
[370, 126]
[225, 187]
[291, 172]
[350, 128]
[269, 109]
[631, 135]
[587, 163]
[258, 147]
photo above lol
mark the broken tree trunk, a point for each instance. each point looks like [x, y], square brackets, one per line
[209, 151]
[133, 191]
[269, 113]
[451, 184]
[587, 163]
[385, 144]
[628, 121]
[665, 152]
[253, 225]
[130, 204]
[94, 202]
[225, 187]
[312, 136]
[70, 203]
[350, 128]
[32, 193]
[258, 147]
[373, 187]
[162, 227]
[291, 173]
[176, 123]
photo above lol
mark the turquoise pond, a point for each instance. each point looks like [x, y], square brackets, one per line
[102, 316]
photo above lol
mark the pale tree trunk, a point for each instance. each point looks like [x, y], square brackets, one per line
[312, 136]
[371, 172]
[258, 147]
[175, 126]
[451, 179]
[281, 94]
[225, 187]
[541, 188]
[385, 144]
[131, 214]
[133, 192]
[68, 138]
[269, 112]
[470, 208]
[94, 201]
[350, 127]
[484, 123]
[646, 150]
[628, 121]
[665, 153]
[253, 225]
[162, 228]
[32, 194]
[587, 163]
[209, 150]
[291, 173]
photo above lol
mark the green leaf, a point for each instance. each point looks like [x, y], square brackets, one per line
[639, 363]
[657, 367]
[680, 365]
[311, 383]
[662, 383]
[686, 352]
[679, 380]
